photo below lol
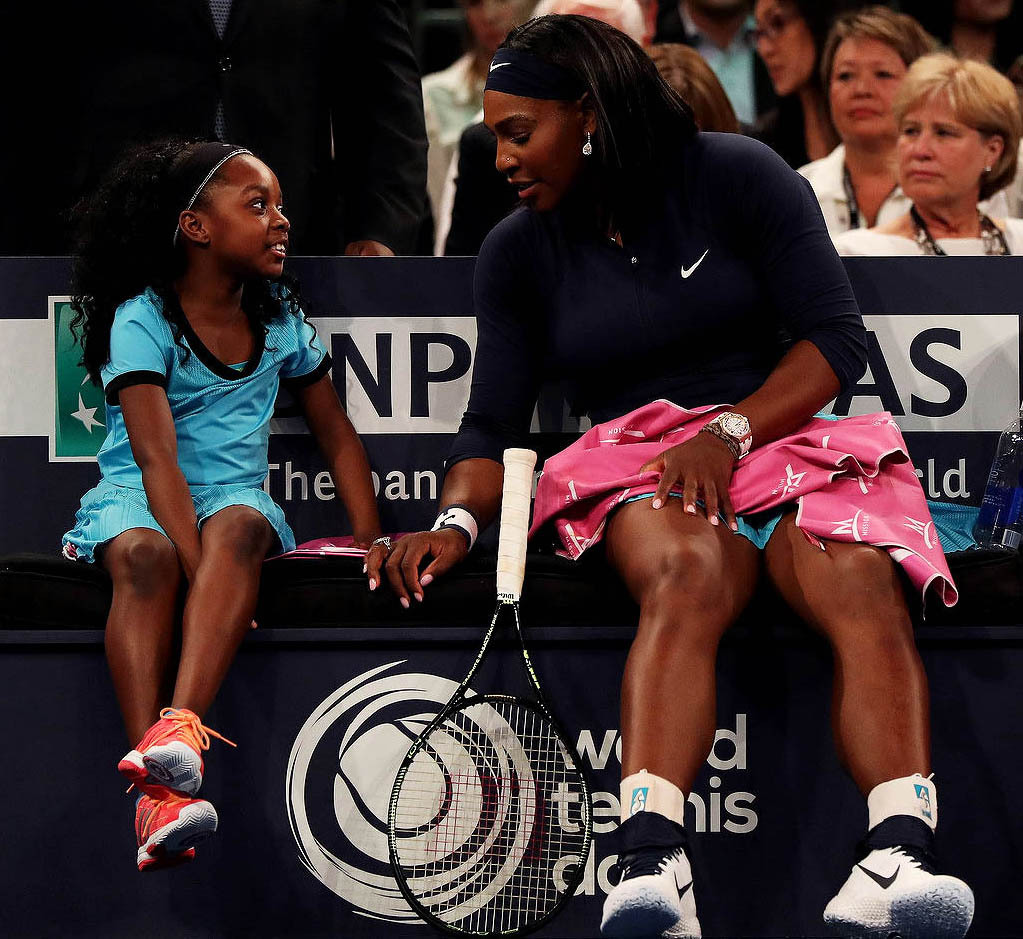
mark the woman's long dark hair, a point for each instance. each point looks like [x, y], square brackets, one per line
[642, 124]
[124, 244]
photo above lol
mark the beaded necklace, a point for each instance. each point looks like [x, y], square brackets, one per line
[991, 237]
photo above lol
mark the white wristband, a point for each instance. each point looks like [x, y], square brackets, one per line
[461, 519]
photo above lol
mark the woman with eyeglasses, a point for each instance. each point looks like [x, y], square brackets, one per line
[789, 36]
[959, 134]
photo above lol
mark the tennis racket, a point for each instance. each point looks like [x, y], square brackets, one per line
[489, 822]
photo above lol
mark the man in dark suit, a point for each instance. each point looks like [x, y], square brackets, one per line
[721, 31]
[327, 93]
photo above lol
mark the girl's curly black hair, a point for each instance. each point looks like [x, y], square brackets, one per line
[124, 245]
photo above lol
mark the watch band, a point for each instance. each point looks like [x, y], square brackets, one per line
[729, 441]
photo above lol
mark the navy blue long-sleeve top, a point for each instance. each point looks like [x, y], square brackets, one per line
[696, 306]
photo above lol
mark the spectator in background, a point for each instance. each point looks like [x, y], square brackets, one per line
[789, 36]
[452, 99]
[987, 30]
[327, 93]
[1015, 75]
[864, 60]
[651, 9]
[476, 197]
[688, 73]
[624, 15]
[722, 31]
[959, 134]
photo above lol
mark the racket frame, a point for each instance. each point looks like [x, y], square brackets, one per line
[509, 586]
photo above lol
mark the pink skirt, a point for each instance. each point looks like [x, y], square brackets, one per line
[850, 480]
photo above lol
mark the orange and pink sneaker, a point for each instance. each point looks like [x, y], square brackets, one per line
[170, 754]
[169, 828]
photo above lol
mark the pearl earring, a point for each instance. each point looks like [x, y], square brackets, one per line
[987, 169]
[588, 146]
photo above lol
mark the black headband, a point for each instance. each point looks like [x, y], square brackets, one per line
[190, 173]
[529, 76]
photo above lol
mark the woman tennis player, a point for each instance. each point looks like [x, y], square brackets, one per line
[686, 286]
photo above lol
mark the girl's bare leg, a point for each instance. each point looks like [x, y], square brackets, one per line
[221, 602]
[139, 640]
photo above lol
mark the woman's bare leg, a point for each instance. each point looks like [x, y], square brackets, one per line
[851, 594]
[691, 580]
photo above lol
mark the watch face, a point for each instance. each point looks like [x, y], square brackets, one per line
[735, 425]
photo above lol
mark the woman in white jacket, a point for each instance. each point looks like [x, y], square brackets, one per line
[959, 135]
[863, 62]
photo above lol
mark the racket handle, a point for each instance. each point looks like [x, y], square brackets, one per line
[515, 499]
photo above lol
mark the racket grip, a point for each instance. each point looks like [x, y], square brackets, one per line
[515, 500]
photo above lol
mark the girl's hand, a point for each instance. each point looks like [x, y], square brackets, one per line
[703, 466]
[376, 557]
[446, 546]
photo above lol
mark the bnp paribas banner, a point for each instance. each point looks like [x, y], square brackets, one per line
[943, 358]
[79, 419]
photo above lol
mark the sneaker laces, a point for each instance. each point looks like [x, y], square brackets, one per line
[187, 724]
[921, 857]
[651, 861]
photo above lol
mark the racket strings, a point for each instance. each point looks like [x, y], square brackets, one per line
[489, 818]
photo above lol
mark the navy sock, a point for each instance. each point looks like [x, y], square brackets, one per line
[646, 830]
[901, 831]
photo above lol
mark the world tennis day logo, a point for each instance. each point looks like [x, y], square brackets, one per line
[338, 785]
[345, 758]
[79, 426]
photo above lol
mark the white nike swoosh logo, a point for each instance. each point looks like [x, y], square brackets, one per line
[498, 65]
[687, 272]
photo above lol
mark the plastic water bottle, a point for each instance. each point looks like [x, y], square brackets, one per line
[1000, 522]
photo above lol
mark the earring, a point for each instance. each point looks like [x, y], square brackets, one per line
[588, 146]
[987, 169]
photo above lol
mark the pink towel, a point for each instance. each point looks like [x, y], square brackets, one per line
[851, 480]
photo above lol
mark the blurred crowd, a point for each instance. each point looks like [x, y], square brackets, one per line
[882, 108]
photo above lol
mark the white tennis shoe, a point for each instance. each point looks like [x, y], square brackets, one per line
[895, 890]
[653, 898]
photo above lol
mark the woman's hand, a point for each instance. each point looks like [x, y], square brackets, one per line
[703, 467]
[376, 556]
[446, 546]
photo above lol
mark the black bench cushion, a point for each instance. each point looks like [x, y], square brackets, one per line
[46, 592]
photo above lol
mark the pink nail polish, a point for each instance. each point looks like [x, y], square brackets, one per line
[372, 584]
[364, 568]
[657, 503]
[404, 602]
[426, 580]
[713, 520]
[691, 509]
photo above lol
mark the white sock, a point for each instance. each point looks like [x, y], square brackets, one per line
[914, 795]
[645, 792]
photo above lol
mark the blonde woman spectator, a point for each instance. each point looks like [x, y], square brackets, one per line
[959, 134]
[688, 73]
[863, 62]
[453, 97]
